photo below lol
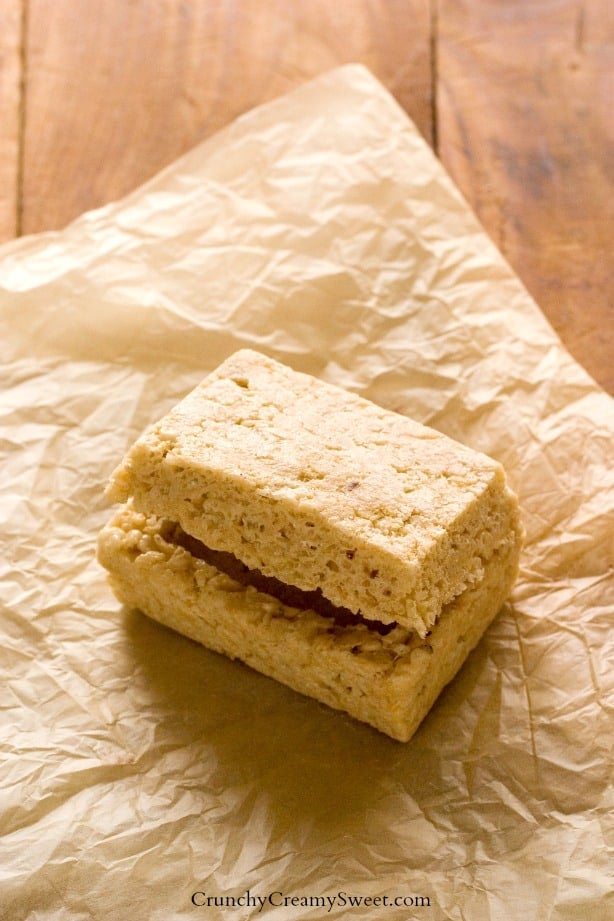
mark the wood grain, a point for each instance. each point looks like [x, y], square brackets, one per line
[525, 97]
[10, 115]
[117, 90]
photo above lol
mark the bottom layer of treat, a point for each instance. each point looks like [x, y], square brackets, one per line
[389, 681]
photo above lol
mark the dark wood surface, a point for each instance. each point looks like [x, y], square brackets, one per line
[516, 98]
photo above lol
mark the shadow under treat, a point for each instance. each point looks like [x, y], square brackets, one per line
[312, 762]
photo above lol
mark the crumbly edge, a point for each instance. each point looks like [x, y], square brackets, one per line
[387, 681]
[299, 546]
[387, 517]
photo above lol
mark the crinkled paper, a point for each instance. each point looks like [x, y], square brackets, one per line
[141, 774]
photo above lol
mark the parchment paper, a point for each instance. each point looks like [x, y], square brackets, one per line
[138, 769]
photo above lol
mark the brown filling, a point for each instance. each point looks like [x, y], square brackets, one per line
[288, 594]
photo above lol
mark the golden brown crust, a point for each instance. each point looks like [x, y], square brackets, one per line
[323, 490]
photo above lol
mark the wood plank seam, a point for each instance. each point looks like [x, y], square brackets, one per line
[21, 116]
[434, 48]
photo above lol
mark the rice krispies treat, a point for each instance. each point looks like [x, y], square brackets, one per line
[323, 490]
[388, 681]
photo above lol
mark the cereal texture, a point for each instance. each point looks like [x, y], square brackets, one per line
[323, 489]
[388, 681]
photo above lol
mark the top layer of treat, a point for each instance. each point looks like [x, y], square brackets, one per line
[323, 489]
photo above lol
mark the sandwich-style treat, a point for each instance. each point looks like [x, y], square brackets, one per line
[343, 549]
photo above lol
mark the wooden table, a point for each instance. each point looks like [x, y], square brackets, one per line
[515, 96]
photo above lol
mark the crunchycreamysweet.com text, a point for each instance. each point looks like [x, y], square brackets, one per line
[279, 899]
